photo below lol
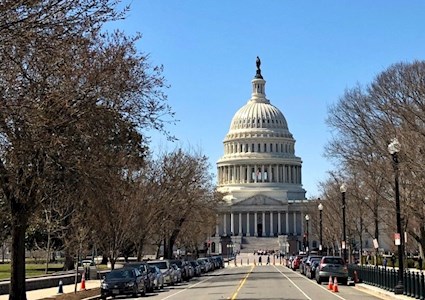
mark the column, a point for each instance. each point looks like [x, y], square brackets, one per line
[248, 230]
[271, 224]
[279, 226]
[217, 233]
[270, 174]
[232, 224]
[240, 174]
[263, 222]
[240, 224]
[262, 173]
[295, 223]
[255, 224]
[255, 174]
[224, 224]
[286, 222]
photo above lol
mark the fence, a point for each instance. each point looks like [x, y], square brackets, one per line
[387, 278]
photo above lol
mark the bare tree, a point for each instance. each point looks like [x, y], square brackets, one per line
[58, 75]
[365, 120]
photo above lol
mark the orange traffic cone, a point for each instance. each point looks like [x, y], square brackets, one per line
[330, 284]
[335, 289]
[83, 282]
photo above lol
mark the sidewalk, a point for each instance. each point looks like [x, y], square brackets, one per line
[378, 292]
[49, 292]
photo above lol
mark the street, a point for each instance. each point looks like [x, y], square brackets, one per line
[256, 282]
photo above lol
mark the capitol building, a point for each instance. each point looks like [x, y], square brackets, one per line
[261, 178]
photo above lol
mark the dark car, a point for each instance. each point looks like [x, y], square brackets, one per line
[310, 269]
[148, 277]
[307, 262]
[126, 281]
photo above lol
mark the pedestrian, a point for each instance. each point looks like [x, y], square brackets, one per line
[385, 263]
[393, 260]
[420, 261]
[268, 259]
[259, 260]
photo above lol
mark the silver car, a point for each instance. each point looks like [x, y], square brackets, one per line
[158, 279]
[332, 266]
[166, 269]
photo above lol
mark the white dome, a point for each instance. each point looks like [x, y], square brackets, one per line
[256, 114]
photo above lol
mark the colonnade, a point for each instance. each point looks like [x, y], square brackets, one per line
[261, 223]
[259, 173]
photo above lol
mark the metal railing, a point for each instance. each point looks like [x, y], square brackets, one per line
[386, 278]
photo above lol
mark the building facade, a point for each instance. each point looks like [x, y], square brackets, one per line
[261, 177]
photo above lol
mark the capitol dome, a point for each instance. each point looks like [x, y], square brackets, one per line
[260, 178]
[259, 150]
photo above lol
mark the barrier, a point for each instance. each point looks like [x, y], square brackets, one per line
[60, 289]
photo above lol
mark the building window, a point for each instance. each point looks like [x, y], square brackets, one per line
[271, 147]
[252, 148]
[265, 147]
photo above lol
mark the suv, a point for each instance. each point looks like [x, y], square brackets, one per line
[333, 266]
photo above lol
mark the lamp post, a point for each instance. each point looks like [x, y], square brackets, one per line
[393, 149]
[343, 190]
[307, 218]
[320, 207]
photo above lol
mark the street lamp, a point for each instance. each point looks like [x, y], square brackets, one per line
[343, 189]
[320, 207]
[394, 148]
[307, 218]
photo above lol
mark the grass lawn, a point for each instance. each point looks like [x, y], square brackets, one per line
[31, 270]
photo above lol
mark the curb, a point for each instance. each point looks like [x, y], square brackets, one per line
[383, 294]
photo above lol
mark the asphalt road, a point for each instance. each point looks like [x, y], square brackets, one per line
[256, 282]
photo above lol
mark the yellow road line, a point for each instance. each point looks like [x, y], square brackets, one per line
[235, 294]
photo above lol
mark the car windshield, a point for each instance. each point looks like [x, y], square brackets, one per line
[143, 268]
[333, 260]
[117, 274]
[178, 263]
[160, 264]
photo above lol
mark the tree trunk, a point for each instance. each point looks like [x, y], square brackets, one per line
[17, 277]
[48, 253]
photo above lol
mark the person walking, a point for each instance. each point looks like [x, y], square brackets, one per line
[259, 261]
[268, 260]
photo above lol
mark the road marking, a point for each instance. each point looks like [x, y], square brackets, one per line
[321, 286]
[191, 286]
[235, 294]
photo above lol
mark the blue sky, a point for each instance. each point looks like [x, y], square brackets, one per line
[311, 51]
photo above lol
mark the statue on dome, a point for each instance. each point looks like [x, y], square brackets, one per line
[258, 63]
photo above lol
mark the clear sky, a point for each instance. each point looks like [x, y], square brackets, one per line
[311, 51]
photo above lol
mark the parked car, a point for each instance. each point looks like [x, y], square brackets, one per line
[196, 268]
[177, 273]
[184, 268]
[158, 279]
[307, 262]
[310, 269]
[220, 261]
[296, 262]
[166, 269]
[204, 265]
[333, 266]
[302, 265]
[147, 276]
[126, 281]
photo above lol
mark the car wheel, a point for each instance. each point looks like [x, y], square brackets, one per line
[319, 280]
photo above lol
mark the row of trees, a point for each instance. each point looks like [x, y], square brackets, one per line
[363, 122]
[75, 106]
